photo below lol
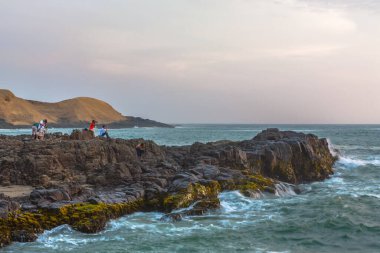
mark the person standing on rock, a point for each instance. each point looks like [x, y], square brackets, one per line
[92, 126]
[140, 150]
[39, 129]
[104, 132]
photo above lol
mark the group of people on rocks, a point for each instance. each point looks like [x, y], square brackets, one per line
[102, 132]
[39, 130]
[140, 148]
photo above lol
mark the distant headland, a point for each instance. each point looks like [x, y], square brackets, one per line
[16, 112]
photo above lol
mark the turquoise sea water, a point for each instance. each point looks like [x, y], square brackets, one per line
[340, 214]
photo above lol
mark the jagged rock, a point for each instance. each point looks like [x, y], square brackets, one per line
[43, 197]
[82, 135]
[90, 180]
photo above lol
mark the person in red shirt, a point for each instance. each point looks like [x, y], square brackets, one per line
[92, 126]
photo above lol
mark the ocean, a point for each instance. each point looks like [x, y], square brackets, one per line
[340, 214]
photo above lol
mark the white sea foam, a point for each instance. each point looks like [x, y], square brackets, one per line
[332, 149]
[356, 147]
[284, 190]
[234, 201]
[350, 163]
[335, 180]
[373, 195]
[64, 234]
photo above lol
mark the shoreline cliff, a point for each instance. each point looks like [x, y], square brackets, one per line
[85, 182]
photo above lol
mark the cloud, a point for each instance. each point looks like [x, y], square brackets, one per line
[306, 51]
[197, 60]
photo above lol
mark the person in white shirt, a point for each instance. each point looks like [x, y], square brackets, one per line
[39, 129]
[104, 132]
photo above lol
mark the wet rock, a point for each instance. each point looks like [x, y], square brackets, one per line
[171, 217]
[207, 204]
[198, 208]
[23, 236]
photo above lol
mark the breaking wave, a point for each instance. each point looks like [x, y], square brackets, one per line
[350, 163]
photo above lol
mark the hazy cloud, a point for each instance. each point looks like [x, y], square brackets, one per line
[263, 61]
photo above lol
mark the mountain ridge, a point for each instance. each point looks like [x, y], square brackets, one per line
[17, 112]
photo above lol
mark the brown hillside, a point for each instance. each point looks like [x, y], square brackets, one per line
[20, 112]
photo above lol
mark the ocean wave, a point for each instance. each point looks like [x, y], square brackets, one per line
[305, 130]
[234, 201]
[64, 234]
[356, 147]
[333, 150]
[350, 163]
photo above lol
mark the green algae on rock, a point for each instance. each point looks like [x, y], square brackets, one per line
[192, 193]
[253, 183]
[84, 217]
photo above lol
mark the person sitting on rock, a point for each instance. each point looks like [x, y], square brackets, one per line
[39, 129]
[104, 132]
[140, 150]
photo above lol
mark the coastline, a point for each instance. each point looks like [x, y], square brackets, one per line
[131, 122]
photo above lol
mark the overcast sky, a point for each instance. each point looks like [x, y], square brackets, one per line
[209, 61]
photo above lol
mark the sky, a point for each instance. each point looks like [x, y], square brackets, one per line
[199, 61]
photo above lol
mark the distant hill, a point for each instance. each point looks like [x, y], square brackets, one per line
[77, 112]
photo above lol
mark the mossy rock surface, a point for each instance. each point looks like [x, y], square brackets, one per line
[84, 217]
[251, 183]
[192, 193]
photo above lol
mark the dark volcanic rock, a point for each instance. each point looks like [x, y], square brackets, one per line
[44, 197]
[293, 157]
[84, 181]
[80, 159]
[82, 135]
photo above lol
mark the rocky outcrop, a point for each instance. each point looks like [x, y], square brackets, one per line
[85, 181]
